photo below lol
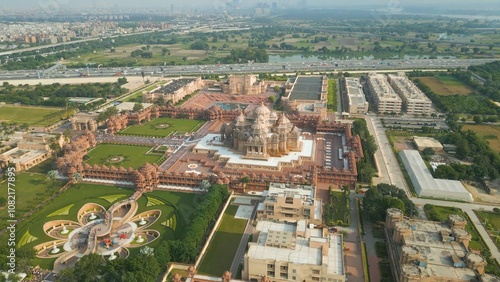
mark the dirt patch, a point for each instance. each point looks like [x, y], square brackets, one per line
[480, 195]
[403, 143]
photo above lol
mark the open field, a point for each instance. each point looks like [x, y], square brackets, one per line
[446, 85]
[31, 189]
[127, 156]
[220, 253]
[489, 132]
[162, 127]
[35, 116]
[491, 222]
[170, 204]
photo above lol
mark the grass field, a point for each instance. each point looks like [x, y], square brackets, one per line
[332, 95]
[31, 189]
[152, 128]
[489, 132]
[31, 115]
[491, 221]
[132, 156]
[220, 253]
[85, 193]
[446, 85]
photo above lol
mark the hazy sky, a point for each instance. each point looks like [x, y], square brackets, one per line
[312, 3]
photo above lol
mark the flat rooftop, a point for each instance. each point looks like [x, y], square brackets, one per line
[425, 184]
[307, 88]
[426, 239]
[297, 251]
[290, 191]
[355, 91]
[173, 85]
[207, 143]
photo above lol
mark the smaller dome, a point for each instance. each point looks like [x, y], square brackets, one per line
[283, 120]
[274, 115]
[262, 110]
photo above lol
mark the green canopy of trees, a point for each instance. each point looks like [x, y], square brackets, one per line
[366, 167]
[384, 196]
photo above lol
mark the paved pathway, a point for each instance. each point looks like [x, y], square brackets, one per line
[352, 242]
[240, 252]
[371, 253]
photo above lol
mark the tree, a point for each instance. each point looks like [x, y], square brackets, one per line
[428, 151]
[165, 51]
[137, 107]
[52, 175]
[67, 134]
[205, 185]
[109, 112]
[142, 74]
[477, 119]
[76, 178]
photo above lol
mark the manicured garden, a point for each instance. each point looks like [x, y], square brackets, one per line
[336, 211]
[40, 116]
[31, 189]
[162, 127]
[66, 206]
[121, 155]
[222, 249]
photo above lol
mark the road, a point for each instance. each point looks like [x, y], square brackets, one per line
[388, 167]
[289, 68]
[390, 172]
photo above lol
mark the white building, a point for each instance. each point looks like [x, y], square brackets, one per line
[385, 98]
[294, 252]
[355, 96]
[426, 185]
[414, 100]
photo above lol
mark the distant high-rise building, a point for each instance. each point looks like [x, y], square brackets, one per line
[172, 7]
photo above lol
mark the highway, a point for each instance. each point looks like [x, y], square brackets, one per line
[222, 69]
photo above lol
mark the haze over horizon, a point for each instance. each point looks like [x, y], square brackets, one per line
[203, 3]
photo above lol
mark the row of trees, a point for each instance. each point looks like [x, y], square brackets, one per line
[470, 147]
[56, 94]
[366, 166]
[187, 249]
[384, 196]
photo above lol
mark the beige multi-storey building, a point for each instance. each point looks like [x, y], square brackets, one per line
[174, 90]
[414, 100]
[355, 96]
[422, 250]
[32, 150]
[293, 252]
[385, 98]
[290, 203]
[244, 85]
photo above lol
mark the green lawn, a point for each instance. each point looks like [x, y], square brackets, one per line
[31, 190]
[491, 222]
[79, 195]
[152, 128]
[332, 95]
[35, 116]
[220, 253]
[133, 156]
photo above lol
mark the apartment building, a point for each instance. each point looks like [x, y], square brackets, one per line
[414, 100]
[290, 203]
[293, 252]
[174, 90]
[421, 250]
[385, 98]
[355, 96]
